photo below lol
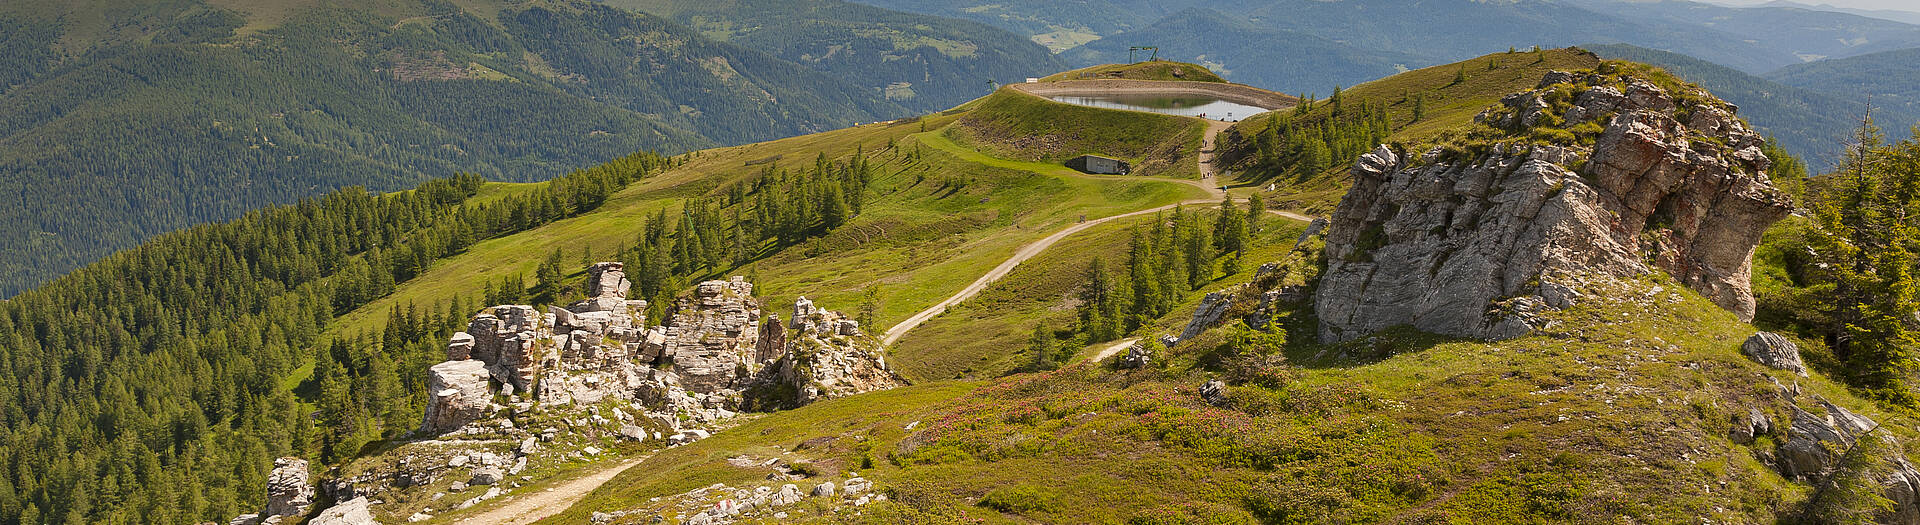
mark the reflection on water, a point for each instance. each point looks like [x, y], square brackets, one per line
[1186, 106]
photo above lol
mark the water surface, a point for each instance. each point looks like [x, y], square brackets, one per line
[1183, 105]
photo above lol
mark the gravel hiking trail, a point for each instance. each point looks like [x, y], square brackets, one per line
[1207, 172]
[522, 509]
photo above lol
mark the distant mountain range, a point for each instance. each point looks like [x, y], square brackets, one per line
[1910, 17]
[1801, 73]
[119, 124]
[922, 62]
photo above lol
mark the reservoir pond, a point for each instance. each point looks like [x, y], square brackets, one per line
[1185, 105]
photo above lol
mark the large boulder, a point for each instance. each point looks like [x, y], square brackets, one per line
[352, 512]
[1774, 351]
[457, 394]
[1476, 245]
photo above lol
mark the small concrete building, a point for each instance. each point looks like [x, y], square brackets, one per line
[1099, 164]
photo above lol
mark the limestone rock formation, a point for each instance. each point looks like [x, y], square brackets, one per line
[289, 488]
[351, 512]
[289, 493]
[1775, 351]
[713, 335]
[826, 355]
[1475, 245]
[457, 394]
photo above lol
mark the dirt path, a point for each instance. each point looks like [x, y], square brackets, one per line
[1115, 348]
[1207, 182]
[522, 509]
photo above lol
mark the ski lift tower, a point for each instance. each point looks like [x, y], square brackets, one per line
[1155, 53]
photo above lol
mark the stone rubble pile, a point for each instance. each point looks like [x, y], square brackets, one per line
[719, 504]
[591, 371]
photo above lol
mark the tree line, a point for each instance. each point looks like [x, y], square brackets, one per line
[145, 388]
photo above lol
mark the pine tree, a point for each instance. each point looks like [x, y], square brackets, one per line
[1040, 349]
[1419, 107]
[1865, 245]
[1100, 316]
[1459, 76]
[870, 308]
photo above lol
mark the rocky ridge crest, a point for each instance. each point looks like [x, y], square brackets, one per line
[1598, 175]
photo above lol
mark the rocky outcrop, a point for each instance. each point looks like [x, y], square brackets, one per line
[457, 394]
[1477, 245]
[1774, 351]
[289, 493]
[1843, 447]
[715, 334]
[826, 355]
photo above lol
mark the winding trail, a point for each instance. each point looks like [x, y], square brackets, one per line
[1206, 182]
[522, 509]
[1114, 348]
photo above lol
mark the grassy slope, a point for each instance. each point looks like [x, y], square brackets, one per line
[933, 225]
[1154, 70]
[986, 336]
[1623, 414]
[1449, 107]
[1017, 125]
[1619, 413]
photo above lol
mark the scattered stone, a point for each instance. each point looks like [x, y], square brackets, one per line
[856, 486]
[419, 517]
[823, 490]
[1774, 351]
[487, 476]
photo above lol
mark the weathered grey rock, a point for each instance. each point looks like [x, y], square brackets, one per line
[821, 358]
[1214, 392]
[1453, 246]
[458, 395]
[1809, 454]
[714, 335]
[856, 486]
[607, 279]
[1137, 357]
[1774, 351]
[1749, 425]
[1212, 308]
[487, 476]
[823, 490]
[352, 512]
[460, 347]
[289, 488]
[789, 494]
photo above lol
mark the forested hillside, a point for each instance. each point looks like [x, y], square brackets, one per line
[1814, 124]
[1891, 78]
[1277, 59]
[147, 387]
[926, 63]
[119, 125]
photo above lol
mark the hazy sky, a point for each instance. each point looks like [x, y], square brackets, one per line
[1902, 5]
